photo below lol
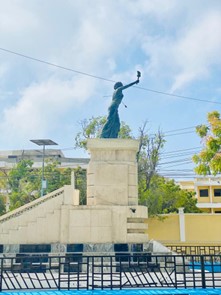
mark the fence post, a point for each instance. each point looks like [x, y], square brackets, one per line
[203, 271]
[182, 225]
[1, 274]
[59, 273]
[88, 272]
[120, 273]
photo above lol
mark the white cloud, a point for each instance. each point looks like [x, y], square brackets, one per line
[15, 18]
[3, 69]
[189, 51]
[43, 106]
[198, 50]
[174, 42]
[156, 8]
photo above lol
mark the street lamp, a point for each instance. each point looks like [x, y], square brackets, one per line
[43, 142]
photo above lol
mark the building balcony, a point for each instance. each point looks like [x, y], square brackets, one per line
[208, 205]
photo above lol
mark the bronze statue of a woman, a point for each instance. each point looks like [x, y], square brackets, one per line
[112, 126]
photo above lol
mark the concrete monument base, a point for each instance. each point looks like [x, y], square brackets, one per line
[112, 172]
[112, 182]
[112, 214]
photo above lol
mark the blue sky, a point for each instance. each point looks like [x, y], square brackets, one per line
[175, 44]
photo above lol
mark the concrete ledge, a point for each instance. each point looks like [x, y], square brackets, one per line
[112, 143]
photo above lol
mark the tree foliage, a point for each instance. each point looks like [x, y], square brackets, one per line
[91, 128]
[3, 190]
[25, 181]
[55, 176]
[148, 155]
[22, 184]
[208, 161]
[2, 204]
[81, 184]
[164, 196]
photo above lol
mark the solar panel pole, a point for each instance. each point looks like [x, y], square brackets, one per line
[43, 182]
[43, 142]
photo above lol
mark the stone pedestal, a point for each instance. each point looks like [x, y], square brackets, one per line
[112, 214]
[112, 172]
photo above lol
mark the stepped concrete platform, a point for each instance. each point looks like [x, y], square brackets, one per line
[112, 214]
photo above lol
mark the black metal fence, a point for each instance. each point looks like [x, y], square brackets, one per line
[195, 250]
[119, 271]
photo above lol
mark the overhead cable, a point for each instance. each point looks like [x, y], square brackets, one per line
[104, 79]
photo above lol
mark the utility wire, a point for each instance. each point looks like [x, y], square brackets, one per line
[55, 65]
[169, 135]
[104, 79]
[181, 133]
[176, 151]
[175, 161]
[183, 163]
[177, 95]
[181, 129]
[178, 171]
[177, 155]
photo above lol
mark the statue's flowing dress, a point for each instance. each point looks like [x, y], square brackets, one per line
[112, 126]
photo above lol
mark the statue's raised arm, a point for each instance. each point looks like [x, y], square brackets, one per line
[112, 126]
[131, 84]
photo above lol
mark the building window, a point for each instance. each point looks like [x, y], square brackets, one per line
[217, 192]
[204, 192]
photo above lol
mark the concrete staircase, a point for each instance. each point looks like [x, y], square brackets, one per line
[39, 221]
[57, 218]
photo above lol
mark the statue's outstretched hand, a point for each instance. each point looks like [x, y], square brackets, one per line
[137, 81]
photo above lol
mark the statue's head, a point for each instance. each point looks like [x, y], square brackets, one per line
[117, 85]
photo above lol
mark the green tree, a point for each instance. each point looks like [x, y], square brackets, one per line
[164, 196]
[208, 161]
[148, 156]
[2, 204]
[25, 181]
[55, 176]
[3, 190]
[3, 179]
[22, 184]
[81, 184]
[91, 128]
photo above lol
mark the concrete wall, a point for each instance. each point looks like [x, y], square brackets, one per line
[58, 218]
[196, 228]
[163, 230]
[205, 228]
